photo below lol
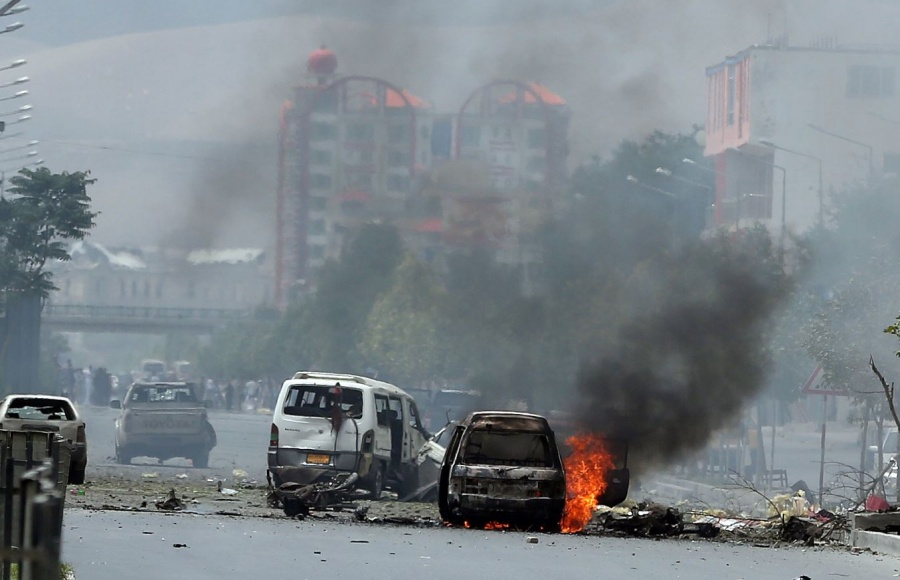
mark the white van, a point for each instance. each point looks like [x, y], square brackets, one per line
[325, 424]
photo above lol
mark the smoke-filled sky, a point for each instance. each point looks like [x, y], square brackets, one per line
[173, 105]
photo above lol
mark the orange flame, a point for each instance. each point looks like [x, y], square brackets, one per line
[496, 526]
[586, 471]
[487, 525]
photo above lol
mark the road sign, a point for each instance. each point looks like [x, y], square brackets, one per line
[815, 385]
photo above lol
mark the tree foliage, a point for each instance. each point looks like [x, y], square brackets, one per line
[402, 338]
[43, 211]
[857, 270]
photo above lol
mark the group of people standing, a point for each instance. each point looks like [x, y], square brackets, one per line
[239, 396]
[88, 386]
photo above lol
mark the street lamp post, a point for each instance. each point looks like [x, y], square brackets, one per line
[707, 214]
[818, 160]
[869, 149]
[636, 181]
[14, 64]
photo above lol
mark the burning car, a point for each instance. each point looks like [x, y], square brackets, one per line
[502, 467]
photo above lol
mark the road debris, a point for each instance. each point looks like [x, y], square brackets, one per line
[225, 490]
[297, 500]
[171, 503]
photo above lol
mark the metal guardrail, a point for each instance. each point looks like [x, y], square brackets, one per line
[144, 312]
[34, 471]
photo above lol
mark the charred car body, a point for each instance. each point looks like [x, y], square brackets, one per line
[163, 420]
[502, 466]
[326, 424]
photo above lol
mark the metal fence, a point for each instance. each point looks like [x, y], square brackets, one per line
[34, 471]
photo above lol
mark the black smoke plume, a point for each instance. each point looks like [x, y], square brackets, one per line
[688, 350]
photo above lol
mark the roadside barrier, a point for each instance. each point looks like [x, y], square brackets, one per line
[34, 471]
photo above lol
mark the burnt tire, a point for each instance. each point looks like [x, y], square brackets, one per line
[375, 483]
[76, 475]
[200, 458]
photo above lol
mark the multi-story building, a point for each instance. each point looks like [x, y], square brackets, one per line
[788, 125]
[350, 148]
[357, 148]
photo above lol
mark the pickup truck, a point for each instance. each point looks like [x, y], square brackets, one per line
[163, 420]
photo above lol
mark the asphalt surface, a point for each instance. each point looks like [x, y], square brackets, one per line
[112, 528]
[242, 442]
[114, 545]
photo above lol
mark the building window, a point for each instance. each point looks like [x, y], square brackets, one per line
[537, 138]
[317, 227]
[399, 183]
[470, 136]
[320, 131]
[317, 252]
[360, 132]
[865, 81]
[398, 159]
[320, 180]
[536, 163]
[398, 134]
[320, 157]
[318, 203]
[892, 163]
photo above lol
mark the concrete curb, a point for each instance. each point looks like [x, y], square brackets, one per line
[876, 541]
[677, 490]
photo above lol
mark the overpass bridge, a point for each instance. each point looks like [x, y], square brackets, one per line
[137, 319]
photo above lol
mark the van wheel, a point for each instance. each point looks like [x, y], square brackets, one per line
[376, 480]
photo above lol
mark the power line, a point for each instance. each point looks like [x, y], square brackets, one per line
[128, 150]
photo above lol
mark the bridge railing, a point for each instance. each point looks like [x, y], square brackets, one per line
[143, 312]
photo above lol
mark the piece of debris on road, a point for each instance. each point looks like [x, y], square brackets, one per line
[171, 503]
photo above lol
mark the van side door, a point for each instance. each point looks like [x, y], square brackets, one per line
[382, 447]
[398, 439]
[415, 435]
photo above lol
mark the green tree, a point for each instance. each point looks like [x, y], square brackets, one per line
[346, 292]
[402, 338]
[44, 210]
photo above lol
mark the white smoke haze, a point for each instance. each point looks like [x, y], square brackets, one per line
[179, 125]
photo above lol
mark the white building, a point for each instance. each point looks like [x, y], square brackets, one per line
[788, 125]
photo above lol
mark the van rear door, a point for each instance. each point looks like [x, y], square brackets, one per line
[316, 417]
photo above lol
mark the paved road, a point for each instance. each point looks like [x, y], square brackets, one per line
[242, 443]
[116, 545]
[243, 439]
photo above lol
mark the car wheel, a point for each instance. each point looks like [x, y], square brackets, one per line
[201, 458]
[76, 475]
[123, 457]
[376, 480]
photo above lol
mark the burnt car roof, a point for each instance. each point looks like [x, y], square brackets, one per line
[507, 421]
